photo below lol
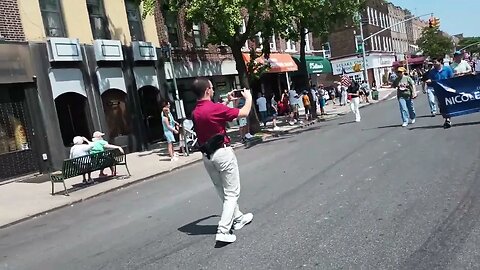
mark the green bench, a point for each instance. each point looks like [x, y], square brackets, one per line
[87, 164]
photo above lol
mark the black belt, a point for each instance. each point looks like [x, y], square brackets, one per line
[213, 144]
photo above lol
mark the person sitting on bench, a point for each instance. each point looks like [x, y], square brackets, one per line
[79, 149]
[99, 145]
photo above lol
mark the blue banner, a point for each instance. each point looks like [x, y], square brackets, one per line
[458, 96]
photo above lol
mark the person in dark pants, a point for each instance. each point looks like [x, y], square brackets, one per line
[210, 120]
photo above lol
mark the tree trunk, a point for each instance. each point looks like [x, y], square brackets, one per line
[304, 82]
[253, 121]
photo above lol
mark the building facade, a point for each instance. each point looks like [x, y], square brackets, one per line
[92, 65]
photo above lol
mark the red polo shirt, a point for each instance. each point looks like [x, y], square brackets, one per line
[211, 119]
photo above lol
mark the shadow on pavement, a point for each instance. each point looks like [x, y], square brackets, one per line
[345, 123]
[441, 126]
[80, 186]
[389, 126]
[263, 142]
[195, 229]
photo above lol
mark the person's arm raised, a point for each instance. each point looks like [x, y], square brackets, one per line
[245, 110]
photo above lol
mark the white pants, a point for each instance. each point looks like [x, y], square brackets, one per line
[223, 170]
[355, 107]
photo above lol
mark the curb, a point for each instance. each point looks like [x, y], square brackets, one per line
[249, 144]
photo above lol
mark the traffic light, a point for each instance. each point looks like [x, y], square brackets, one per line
[430, 22]
[434, 22]
[437, 23]
[357, 67]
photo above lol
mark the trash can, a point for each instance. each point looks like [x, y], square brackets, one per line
[375, 95]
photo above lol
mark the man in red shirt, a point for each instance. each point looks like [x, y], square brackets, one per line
[210, 120]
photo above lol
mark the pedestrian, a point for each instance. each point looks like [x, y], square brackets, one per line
[293, 100]
[99, 145]
[80, 149]
[243, 122]
[354, 92]
[332, 92]
[262, 108]
[405, 94]
[366, 91]
[321, 100]
[440, 72]
[169, 129]
[460, 66]
[313, 95]
[219, 158]
[306, 105]
[429, 91]
[274, 105]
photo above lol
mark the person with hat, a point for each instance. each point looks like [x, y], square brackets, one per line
[80, 149]
[405, 94]
[437, 73]
[210, 120]
[460, 66]
[99, 145]
[428, 90]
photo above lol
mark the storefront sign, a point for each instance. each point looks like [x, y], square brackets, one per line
[373, 61]
[316, 64]
[15, 64]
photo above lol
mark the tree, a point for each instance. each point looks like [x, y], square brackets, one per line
[472, 44]
[433, 43]
[231, 23]
[319, 17]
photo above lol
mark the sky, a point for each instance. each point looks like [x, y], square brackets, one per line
[456, 17]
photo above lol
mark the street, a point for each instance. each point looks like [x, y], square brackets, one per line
[340, 195]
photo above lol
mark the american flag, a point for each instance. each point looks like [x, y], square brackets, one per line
[345, 80]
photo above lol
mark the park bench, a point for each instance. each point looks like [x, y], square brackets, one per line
[87, 164]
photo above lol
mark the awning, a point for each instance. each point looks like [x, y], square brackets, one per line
[316, 64]
[411, 61]
[66, 80]
[146, 76]
[111, 78]
[279, 62]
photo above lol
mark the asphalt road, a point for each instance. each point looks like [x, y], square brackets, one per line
[342, 195]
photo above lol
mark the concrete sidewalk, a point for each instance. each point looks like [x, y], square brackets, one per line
[22, 199]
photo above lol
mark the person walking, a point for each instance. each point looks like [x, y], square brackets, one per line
[429, 91]
[405, 94]
[293, 100]
[210, 120]
[306, 105]
[366, 91]
[274, 105]
[169, 129]
[354, 92]
[460, 66]
[440, 72]
[321, 98]
[262, 108]
[313, 95]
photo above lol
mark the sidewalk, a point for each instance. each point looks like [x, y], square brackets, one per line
[25, 198]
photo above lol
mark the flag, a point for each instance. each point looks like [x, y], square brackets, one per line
[345, 80]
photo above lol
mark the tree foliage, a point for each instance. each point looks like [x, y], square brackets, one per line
[472, 44]
[434, 43]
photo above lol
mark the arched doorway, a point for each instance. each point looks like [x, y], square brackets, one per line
[72, 111]
[116, 113]
[151, 104]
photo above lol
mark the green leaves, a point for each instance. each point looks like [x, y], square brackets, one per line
[434, 43]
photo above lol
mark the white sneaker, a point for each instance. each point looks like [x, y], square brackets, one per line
[357, 120]
[225, 237]
[291, 123]
[174, 159]
[405, 124]
[244, 220]
[413, 121]
[248, 136]
[276, 128]
[301, 122]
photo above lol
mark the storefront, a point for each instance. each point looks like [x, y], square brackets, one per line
[148, 89]
[112, 90]
[317, 68]
[277, 78]
[378, 65]
[19, 129]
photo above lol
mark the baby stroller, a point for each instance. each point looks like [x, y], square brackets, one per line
[190, 135]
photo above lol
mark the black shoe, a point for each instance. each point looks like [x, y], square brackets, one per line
[447, 124]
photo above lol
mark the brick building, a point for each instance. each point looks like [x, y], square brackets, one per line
[10, 23]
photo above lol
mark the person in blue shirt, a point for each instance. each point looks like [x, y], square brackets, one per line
[437, 73]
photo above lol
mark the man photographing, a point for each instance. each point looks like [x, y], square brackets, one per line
[210, 120]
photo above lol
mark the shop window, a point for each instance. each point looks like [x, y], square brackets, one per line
[134, 21]
[171, 21]
[52, 18]
[13, 130]
[72, 116]
[98, 20]
[115, 107]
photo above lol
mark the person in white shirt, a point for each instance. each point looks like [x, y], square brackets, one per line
[79, 149]
[460, 67]
[294, 99]
[262, 108]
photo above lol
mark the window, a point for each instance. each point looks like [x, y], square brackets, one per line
[171, 21]
[369, 16]
[98, 20]
[244, 28]
[197, 36]
[307, 41]
[258, 41]
[52, 18]
[291, 46]
[273, 43]
[134, 21]
[327, 50]
[13, 130]
[376, 18]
